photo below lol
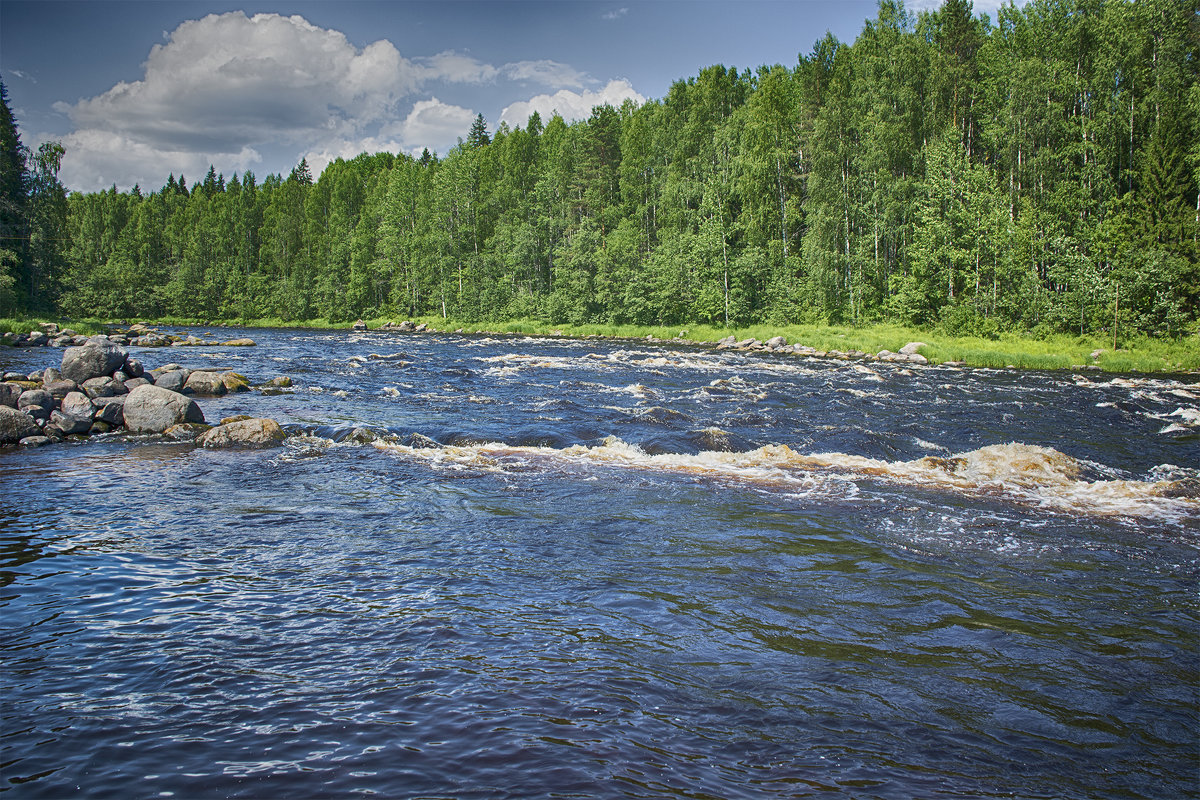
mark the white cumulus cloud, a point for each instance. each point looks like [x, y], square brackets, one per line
[549, 73]
[226, 84]
[571, 105]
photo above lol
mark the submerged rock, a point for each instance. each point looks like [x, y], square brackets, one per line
[253, 432]
[186, 431]
[243, 342]
[153, 409]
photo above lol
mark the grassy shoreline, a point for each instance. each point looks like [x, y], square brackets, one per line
[1057, 352]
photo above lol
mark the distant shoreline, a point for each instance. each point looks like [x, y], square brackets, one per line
[1009, 351]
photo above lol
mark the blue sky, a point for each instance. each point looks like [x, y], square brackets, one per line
[137, 90]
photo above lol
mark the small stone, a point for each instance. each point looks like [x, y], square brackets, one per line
[235, 418]
[279, 382]
[244, 342]
[35, 441]
[99, 426]
[911, 348]
[133, 383]
[776, 341]
[134, 368]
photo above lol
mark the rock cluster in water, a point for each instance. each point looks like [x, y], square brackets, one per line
[100, 389]
[138, 335]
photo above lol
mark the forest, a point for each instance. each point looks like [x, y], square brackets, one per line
[1039, 172]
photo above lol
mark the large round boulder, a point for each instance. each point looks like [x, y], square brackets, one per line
[95, 359]
[153, 409]
[243, 433]
[15, 425]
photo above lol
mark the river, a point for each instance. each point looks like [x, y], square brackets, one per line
[514, 568]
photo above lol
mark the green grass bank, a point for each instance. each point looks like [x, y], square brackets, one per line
[1059, 351]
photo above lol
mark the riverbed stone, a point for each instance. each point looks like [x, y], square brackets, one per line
[37, 403]
[153, 409]
[10, 393]
[68, 424]
[35, 441]
[911, 348]
[173, 381]
[100, 387]
[112, 410]
[15, 425]
[257, 432]
[205, 383]
[186, 431]
[243, 342]
[97, 358]
[77, 404]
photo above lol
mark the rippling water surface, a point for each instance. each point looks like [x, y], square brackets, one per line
[598, 569]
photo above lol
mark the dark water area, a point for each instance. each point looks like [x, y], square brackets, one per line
[610, 569]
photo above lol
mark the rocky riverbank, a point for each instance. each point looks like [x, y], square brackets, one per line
[100, 389]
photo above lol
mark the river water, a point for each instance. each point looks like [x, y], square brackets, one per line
[610, 569]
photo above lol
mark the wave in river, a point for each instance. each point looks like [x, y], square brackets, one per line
[1023, 473]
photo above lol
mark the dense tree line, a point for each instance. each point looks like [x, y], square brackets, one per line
[1041, 171]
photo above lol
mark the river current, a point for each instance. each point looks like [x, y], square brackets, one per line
[516, 568]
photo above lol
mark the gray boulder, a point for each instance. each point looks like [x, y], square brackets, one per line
[100, 387]
[153, 409]
[243, 433]
[205, 383]
[172, 381]
[97, 358]
[911, 348]
[134, 368]
[35, 441]
[68, 424]
[60, 389]
[15, 425]
[77, 404]
[133, 383]
[9, 394]
[110, 410]
[37, 403]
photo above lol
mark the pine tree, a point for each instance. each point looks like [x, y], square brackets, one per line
[478, 137]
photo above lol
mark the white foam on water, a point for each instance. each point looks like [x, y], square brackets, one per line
[1027, 474]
